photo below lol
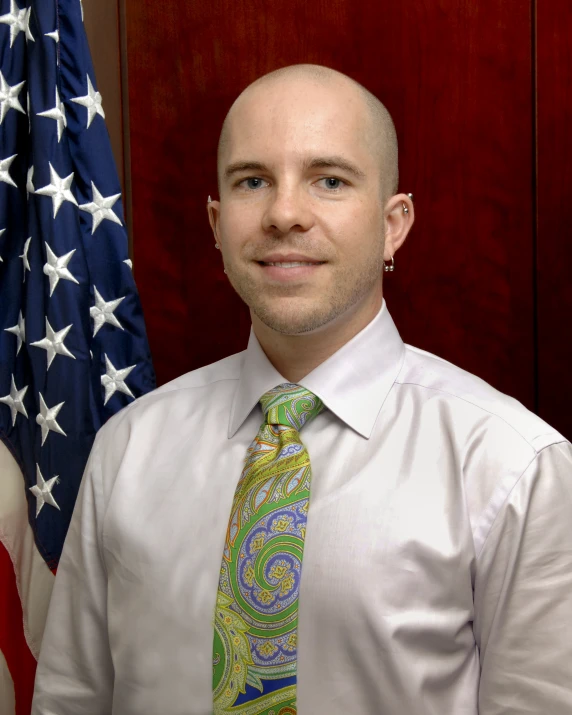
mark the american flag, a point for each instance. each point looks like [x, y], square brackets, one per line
[73, 348]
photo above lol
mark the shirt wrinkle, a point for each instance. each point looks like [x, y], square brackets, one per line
[503, 503]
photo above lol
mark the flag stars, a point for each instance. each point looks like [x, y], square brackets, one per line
[24, 256]
[92, 101]
[100, 208]
[56, 268]
[102, 312]
[26, 28]
[55, 35]
[53, 343]
[9, 97]
[29, 182]
[47, 419]
[114, 380]
[5, 170]
[15, 401]
[42, 490]
[19, 330]
[18, 20]
[58, 189]
[58, 114]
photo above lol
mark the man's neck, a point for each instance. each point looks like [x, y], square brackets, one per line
[295, 356]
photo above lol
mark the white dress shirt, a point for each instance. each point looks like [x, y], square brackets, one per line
[437, 571]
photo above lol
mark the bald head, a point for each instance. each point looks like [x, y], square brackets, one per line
[378, 125]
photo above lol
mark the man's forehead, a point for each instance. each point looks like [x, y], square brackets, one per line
[288, 122]
[299, 104]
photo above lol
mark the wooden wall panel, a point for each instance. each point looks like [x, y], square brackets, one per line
[554, 241]
[456, 76]
[101, 21]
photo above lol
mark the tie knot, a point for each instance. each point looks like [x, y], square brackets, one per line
[290, 405]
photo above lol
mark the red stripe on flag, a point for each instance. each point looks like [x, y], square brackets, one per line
[21, 662]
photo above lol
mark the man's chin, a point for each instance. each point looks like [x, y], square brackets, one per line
[294, 319]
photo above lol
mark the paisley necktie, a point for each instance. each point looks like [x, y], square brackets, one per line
[256, 617]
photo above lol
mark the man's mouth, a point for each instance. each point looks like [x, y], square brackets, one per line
[291, 264]
[288, 268]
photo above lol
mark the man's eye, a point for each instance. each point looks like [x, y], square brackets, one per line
[330, 182]
[253, 182]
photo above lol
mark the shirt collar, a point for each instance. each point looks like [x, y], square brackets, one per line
[353, 383]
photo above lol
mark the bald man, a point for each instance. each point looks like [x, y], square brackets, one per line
[331, 522]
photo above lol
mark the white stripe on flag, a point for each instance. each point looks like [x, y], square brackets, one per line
[33, 577]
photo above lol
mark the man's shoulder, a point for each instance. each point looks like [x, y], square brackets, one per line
[229, 368]
[476, 398]
[203, 382]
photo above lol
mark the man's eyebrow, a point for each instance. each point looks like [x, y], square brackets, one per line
[335, 162]
[318, 162]
[239, 166]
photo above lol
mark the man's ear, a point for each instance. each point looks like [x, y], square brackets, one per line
[213, 209]
[399, 216]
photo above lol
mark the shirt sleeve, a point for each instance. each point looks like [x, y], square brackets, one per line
[523, 594]
[75, 671]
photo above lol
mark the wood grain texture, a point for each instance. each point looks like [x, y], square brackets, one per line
[102, 28]
[554, 243]
[456, 76]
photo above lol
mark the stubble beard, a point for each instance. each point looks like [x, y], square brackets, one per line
[289, 314]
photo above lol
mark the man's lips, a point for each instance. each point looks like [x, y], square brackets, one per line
[288, 267]
[289, 260]
[291, 264]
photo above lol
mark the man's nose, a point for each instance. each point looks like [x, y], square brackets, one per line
[289, 209]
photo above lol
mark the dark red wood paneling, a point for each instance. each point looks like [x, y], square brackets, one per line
[456, 75]
[101, 21]
[554, 242]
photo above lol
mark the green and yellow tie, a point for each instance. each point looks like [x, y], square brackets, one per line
[256, 618]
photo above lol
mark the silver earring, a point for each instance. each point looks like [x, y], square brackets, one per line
[387, 267]
[410, 196]
[209, 200]
[224, 271]
[405, 209]
[217, 246]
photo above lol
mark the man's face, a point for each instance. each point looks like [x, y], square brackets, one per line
[300, 221]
